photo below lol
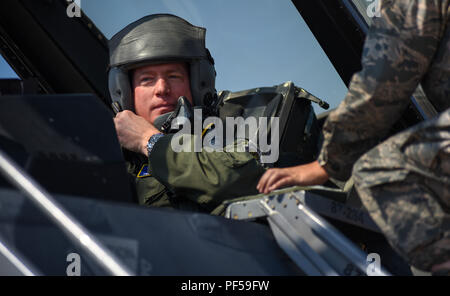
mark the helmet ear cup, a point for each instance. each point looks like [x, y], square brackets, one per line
[203, 78]
[120, 89]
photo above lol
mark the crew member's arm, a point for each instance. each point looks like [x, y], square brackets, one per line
[206, 178]
[302, 175]
[397, 53]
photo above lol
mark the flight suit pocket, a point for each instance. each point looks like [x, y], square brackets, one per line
[238, 156]
[235, 159]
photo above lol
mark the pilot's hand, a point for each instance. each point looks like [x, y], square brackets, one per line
[133, 131]
[302, 175]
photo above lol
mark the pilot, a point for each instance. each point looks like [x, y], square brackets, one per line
[404, 182]
[153, 62]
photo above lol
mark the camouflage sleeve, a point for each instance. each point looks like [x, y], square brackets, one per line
[207, 178]
[397, 53]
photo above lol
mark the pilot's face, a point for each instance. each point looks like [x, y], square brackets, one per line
[158, 87]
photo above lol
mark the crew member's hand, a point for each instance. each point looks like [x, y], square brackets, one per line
[133, 131]
[302, 175]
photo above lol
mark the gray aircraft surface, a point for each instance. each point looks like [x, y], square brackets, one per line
[66, 204]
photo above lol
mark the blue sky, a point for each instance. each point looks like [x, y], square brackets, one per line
[254, 42]
[5, 69]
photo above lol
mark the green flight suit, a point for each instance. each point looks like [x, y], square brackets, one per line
[198, 181]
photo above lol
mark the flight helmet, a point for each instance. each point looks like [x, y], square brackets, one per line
[156, 39]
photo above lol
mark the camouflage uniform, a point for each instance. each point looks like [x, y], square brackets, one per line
[405, 181]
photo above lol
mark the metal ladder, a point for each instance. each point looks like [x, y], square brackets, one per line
[310, 241]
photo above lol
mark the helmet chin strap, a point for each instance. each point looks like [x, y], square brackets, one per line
[161, 119]
[183, 109]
